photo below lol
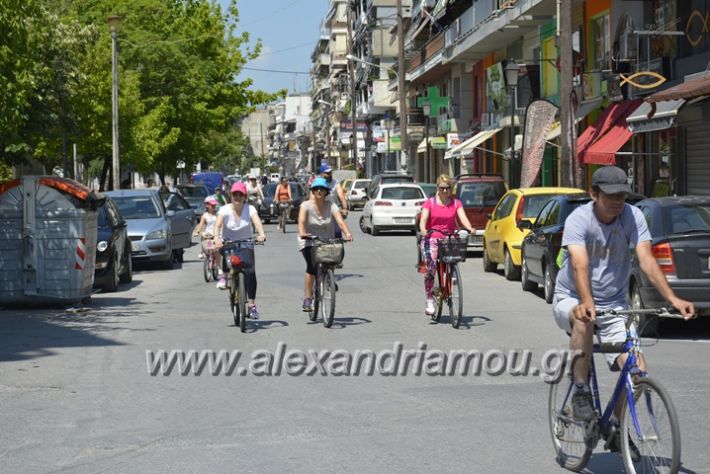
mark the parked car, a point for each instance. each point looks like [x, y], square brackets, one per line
[211, 179]
[394, 207]
[502, 238]
[680, 241]
[542, 244]
[158, 232]
[428, 188]
[479, 194]
[195, 195]
[356, 193]
[391, 177]
[113, 248]
[269, 210]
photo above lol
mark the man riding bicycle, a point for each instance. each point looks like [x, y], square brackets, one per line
[595, 275]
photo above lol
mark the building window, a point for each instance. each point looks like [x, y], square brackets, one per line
[600, 28]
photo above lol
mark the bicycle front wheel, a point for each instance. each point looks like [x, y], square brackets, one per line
[440, 292]
[206, 270]
[568, 435]
[234, 301]
[658, 438]
[313, 314]
[242, 302]
[327, 307]
[214, 263]
[455, 300]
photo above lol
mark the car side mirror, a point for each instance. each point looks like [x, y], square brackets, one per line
[525, 224]
[170, 213]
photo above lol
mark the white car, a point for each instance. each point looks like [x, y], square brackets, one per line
[357, 196]
[393, 208]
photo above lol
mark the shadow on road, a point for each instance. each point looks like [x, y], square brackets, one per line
[342, 323]
[31, 333]
[467, 322]
[254, 325]
[610, 463]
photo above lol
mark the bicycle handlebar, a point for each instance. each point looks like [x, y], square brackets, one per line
[316, 238]
[250, 240]
[660, 312]
[446, 233]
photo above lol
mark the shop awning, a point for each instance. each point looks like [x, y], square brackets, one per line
[467, 147]
[652, 117]
[584, 109]
[613, 117]
[603, 151]
[437, 143]
[695, 85]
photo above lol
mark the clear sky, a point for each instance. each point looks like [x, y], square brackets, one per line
[288, 30]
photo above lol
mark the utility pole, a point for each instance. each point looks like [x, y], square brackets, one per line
[568, 155]
[351, 67]
[401, 88]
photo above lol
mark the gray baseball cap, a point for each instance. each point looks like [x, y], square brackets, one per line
[611, 180]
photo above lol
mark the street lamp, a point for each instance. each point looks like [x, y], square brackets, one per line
[114, 22]
[511, 78]
[427, 110]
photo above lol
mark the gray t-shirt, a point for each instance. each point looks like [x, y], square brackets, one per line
[322, 226]
[608, 249]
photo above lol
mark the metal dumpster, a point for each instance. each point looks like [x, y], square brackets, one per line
[47, 240]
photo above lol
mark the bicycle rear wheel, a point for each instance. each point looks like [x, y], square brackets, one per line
[658, 441]
[327, 308]
[206, 270]
[568, 435]
[242, 301]
[455, 300]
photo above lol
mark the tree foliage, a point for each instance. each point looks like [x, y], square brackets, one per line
[178, 96]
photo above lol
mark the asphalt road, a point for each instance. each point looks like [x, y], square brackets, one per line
[76, 394]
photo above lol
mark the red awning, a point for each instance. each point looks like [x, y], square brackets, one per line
[603, 151]
[613, 119]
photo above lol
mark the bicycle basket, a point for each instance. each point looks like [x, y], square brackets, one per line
[244, 257]
[329, 253]
[452, 250]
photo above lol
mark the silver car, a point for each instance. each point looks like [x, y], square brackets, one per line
[158, 231]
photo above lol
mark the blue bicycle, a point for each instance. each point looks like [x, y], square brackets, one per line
[649, 430]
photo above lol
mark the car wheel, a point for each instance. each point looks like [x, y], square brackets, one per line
[510, 270]
[488, 265]
[127, 275]
[524, 277]
[549, 285]
[363, 227]
[112, 282]
[648, 324]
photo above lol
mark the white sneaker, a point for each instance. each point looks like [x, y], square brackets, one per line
[430, 307]
[201, 256]
[222, 284]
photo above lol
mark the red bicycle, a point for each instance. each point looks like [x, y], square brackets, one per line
[448, 286]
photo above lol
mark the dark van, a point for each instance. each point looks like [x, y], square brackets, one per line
[211, 179]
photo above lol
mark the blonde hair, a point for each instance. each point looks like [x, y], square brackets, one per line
[444, 179]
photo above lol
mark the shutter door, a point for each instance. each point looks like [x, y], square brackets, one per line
[698, 157]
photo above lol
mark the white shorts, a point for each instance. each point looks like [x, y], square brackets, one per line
[607, 328]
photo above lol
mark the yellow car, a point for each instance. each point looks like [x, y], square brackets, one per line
[502, 238]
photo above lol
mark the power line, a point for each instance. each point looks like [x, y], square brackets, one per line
[274, 70]
[310, 43]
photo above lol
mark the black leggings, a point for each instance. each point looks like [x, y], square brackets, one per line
[249, 276]
[310, 262]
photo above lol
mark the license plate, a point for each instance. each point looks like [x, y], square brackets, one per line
[135, 247]
[403, 220]
[475, 239]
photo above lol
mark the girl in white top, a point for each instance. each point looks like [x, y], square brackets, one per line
[206, 226]
[234, 222]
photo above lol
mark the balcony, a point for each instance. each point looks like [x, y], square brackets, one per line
[491, 25]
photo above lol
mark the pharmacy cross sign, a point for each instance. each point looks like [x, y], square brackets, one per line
[432, 98]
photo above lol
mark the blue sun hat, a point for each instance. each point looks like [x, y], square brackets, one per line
[320, 183]
[325, 169]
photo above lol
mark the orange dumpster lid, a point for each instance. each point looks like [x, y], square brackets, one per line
[7, 185]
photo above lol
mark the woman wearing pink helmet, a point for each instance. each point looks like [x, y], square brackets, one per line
[234, 222]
